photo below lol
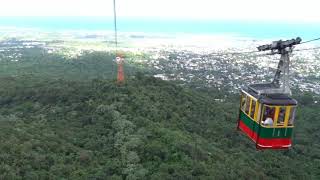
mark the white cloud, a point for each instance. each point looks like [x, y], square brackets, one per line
[279, 10]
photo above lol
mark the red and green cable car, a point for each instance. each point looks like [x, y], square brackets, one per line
[267, 111]
[253, 115]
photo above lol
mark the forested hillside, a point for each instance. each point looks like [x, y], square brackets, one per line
[145, 129]
[65, 118]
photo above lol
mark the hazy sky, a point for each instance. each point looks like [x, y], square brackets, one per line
[281, 10]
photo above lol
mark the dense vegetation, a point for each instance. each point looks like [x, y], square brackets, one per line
[60, 128]
[38, 62]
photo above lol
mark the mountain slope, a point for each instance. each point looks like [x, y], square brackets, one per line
[146, 129]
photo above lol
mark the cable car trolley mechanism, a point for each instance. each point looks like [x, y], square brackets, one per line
[267, 111]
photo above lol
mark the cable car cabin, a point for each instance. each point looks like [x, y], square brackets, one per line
[266, 112]
[267, 119]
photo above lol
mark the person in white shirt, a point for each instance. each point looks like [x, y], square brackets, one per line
[268, 122]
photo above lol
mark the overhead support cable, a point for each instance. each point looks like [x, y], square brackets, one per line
[316, 39]
[115, 25]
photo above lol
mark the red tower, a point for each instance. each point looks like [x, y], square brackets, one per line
[120, 77]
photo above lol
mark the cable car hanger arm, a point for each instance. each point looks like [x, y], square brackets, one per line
[280, 83]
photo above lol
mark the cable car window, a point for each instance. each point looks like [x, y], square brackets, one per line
[247, 104]
[268, 116]
[253, 108]
[243, 101]
[281, 116]
[292, 116]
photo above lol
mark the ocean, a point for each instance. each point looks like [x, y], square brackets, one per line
[253, 29]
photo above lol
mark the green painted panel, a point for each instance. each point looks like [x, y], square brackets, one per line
[265, 132]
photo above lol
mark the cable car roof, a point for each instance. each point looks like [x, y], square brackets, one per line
[273, 99]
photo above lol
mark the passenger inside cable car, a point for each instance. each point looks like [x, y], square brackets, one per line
[268, 116]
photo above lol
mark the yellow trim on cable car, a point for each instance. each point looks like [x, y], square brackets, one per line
[288, 111]
[249, 95]
[245, 95]
[276, 116]
[256, 111]
[249, 112]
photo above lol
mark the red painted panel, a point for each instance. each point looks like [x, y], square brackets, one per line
[265, 143]
[248, 131]
[274, 143]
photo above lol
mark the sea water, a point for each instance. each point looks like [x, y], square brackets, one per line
[253, 29]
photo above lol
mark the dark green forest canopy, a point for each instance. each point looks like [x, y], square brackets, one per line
[145, 129]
